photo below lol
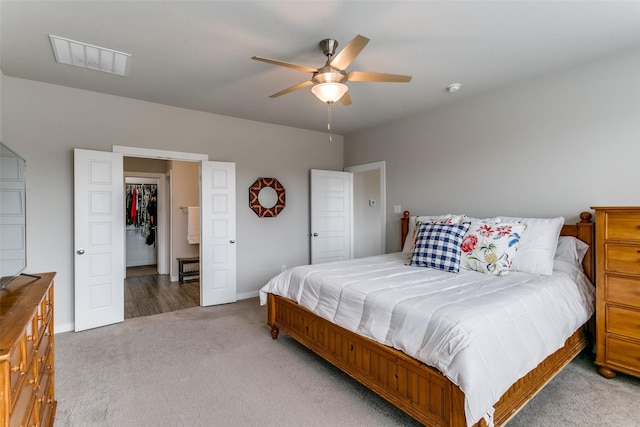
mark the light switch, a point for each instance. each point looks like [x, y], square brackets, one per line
[397, 209]
[372, 202]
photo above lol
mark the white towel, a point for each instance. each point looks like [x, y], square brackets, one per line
[193, 225]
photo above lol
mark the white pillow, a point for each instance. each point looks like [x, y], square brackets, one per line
[410, 240]
[538, 244]
[571, 249]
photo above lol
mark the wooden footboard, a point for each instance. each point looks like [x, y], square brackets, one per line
[415, 388]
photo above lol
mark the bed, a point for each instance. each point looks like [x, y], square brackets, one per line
[423, 391]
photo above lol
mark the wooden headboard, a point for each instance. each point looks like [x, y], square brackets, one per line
[583, 230]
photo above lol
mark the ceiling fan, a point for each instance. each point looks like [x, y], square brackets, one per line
[329, 81]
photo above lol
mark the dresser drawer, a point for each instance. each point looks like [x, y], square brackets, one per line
[25, 402]
[622, 290]
[623, 353]
[32, 337]
[622, 258]
[48, 411]
[622, 226]
[45, 388]
[17, 367]
[45, 342]
[624, 322]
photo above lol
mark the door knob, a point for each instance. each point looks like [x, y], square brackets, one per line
[232, 241]
[315, 234]
[80, 251]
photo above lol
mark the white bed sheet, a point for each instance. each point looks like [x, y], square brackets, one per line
[483, 332]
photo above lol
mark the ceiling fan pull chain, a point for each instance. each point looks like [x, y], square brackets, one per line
[329, 122]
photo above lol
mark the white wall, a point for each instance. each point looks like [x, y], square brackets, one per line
[45, 122]
[551, 146]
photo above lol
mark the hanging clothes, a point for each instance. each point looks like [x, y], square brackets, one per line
[134, 208]
[152, 212]
[141, 209]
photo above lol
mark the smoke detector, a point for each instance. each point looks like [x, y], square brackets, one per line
[454, 87]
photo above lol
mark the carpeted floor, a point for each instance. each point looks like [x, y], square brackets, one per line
[218, 366]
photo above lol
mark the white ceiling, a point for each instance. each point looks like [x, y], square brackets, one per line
[196, 54]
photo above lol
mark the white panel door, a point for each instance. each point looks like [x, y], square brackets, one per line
[218, 233]
[331, 216]
[99, 239]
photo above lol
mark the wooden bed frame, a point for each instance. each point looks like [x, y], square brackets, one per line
[417, 389]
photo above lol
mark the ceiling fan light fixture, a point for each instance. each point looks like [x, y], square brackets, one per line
[329, 92]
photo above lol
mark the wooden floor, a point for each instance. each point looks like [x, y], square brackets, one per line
[155, 294]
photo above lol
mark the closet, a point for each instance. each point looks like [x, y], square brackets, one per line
[141, 222]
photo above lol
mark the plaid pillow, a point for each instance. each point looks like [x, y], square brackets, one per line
[438, 246]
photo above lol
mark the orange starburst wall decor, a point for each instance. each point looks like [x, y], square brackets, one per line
[266, 197]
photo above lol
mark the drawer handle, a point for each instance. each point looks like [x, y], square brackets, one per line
[18, 368]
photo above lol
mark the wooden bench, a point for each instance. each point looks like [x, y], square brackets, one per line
[188, 267]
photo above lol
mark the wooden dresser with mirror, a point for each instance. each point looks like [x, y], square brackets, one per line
[27, 395]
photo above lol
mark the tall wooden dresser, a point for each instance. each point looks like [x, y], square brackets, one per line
[26, 352]
[618, 290]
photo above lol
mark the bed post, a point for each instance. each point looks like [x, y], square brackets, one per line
[271, 315]
[586, 233]
[404, 227]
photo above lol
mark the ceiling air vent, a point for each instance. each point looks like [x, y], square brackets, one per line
[84, 55]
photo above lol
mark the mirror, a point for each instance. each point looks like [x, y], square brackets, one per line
[266, 197]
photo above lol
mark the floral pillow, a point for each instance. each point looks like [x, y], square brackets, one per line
[438, 246]
[489, 247]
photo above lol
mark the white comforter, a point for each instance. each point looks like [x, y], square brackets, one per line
[482, 332]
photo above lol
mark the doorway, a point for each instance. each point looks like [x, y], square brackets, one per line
[152, 231]
[369, 209]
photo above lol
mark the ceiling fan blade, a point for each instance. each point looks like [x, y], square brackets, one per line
[292, 88]
[364, 76]
[346, 99]
[285, 64]
[346, 56]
